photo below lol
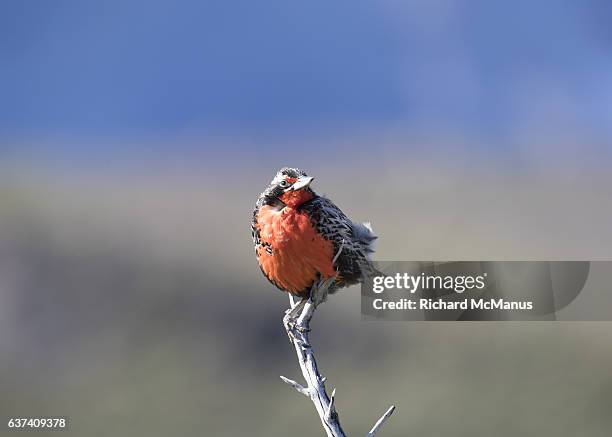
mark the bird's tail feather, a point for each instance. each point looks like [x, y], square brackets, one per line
[363, 232]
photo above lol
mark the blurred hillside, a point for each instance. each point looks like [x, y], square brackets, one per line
[133, 304]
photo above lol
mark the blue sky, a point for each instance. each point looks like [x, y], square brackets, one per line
[119, 68]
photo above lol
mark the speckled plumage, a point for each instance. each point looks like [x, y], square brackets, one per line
[297, 234]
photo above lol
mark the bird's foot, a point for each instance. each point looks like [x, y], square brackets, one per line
[290, 320]
[289, 323]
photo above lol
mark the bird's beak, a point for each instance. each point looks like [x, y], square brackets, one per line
[302, 182]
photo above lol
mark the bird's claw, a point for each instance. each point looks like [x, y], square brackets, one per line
[290, 325]
[289, 321]
[302, 329]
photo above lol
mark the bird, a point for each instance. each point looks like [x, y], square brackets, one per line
[302, 239]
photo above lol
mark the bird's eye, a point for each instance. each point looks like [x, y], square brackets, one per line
[283, 184]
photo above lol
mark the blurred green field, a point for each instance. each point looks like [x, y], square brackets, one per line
[131, 302]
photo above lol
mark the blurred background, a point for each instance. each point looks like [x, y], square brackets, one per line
[136, 136]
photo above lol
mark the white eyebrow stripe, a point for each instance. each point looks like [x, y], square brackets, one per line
[279, 177]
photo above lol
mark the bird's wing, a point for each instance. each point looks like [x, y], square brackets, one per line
[353, 241]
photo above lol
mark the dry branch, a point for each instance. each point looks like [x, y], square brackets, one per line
[297, 325]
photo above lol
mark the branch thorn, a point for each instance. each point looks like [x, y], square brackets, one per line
[296, 385]
[330, 407]
[381, 421]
